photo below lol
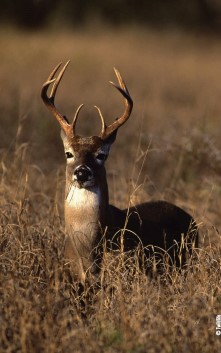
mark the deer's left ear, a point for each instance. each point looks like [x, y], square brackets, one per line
[111, 138]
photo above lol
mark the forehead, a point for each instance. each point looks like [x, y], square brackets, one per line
[91, 143]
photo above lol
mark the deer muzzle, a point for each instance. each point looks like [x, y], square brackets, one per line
[83, 175]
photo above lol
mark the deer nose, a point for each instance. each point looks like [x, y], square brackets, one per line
[83, 173]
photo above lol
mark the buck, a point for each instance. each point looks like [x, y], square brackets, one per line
[90, 220]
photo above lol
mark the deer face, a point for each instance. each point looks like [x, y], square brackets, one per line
[85, 159]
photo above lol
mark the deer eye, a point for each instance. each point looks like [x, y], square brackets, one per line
[69, 154]
[101, 157]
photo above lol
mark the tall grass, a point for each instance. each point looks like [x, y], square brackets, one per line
[172, 137]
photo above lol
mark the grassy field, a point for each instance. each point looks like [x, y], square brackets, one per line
[169, 149]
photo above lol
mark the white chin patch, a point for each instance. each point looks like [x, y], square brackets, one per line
[86, 184]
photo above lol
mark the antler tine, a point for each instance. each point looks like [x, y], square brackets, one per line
[57, 81]
[73, 124]
[121, 81]
[103, 125]
[49, 100]
[51, 76]
[122, 88]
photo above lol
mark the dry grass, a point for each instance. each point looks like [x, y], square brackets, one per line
[175, 83]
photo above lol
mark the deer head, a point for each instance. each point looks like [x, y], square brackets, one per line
[85, 155]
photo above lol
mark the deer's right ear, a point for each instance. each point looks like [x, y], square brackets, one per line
[63, 135]
[64, 138]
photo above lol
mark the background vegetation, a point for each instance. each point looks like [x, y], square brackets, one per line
[169, 149]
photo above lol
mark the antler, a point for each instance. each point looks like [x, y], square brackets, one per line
[69, 129]
[122, 88]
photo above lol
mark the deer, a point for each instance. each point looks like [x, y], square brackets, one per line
[90, 221]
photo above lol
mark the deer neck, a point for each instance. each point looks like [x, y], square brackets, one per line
[85, 220]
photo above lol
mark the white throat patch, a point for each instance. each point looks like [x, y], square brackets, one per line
[83, 198]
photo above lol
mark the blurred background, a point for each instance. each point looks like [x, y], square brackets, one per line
[33, 14]
[169, 54]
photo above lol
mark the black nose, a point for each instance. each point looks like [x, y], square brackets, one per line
[83, 173]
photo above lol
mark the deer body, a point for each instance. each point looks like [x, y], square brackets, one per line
[89, 219]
